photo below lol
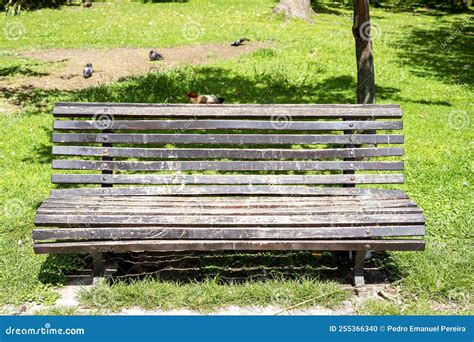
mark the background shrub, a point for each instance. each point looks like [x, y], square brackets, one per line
[15, 6]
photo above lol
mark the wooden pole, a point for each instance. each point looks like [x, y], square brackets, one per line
[365, 60]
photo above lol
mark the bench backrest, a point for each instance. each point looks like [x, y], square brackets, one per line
[227, 145]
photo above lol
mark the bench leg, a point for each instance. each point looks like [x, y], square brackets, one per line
[359, 259]
[98, 269]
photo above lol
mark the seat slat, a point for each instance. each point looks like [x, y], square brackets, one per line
[328, 210]
[186, 125]
[223, 201]
[227, 220]
[181, 207]
[148, 233]
[391, 197]
[227, 139]
[212, 245]
[226, 165]
[71, 203]
[192, 207]
[230, 190]
[244, 110]
[196, 153]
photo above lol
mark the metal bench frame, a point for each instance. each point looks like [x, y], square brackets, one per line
[272, 177]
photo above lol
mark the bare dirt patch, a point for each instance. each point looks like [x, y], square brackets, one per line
[111, 65]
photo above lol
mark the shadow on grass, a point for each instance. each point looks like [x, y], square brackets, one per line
[424, 7]
[41, 154]
[226, 267]
[37, 100]
[19, 70]
[444, 51]
[171, 87]
[321, 7]
[57, 267]
[261, 88]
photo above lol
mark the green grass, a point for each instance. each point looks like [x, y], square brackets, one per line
[303, 64]
[137, 25]
[57, 311]
[381, 307]
[209, 295]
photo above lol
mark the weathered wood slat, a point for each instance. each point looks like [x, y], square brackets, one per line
[205, 153]
[186, 125]
[229, 200]
[244, 110]
[286, 202]
[197, 210]
[226, 179]
[292, 233]
[211, 245]
[227, 165]
[230, 190]
[227, 139]
[227, 220]
[242, 209]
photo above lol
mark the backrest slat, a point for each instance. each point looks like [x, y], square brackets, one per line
[224, 147]
[227, 139]
[243, 153]
[246, 110]
[226, 165]
[186, 125]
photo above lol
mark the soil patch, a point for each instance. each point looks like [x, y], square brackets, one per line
[110, 65]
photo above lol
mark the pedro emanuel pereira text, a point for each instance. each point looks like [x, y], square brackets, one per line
[398, 328]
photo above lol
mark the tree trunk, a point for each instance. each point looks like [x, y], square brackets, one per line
[364, 57]
[295, 9]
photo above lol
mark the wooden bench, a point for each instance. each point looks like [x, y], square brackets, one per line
[227, 177]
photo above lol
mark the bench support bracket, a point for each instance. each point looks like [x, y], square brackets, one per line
[359, 260]
[98, 269]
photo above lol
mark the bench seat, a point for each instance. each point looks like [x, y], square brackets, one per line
[118, 223]
[227, 177]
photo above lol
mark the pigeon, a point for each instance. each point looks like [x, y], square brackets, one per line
[87, 72]
[155, 56]
[239, 41]
[204, 99]
[86, 4]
